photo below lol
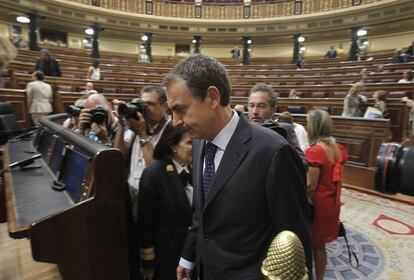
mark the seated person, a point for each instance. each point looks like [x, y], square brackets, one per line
[353, 101]
[407, 77]
[235, 53]
[339, 49]
[380, 96]
[399, 56]
[410, 50]
[88, 89]
[293, 94]
[410, 103]
[96, 121]
[331, 53]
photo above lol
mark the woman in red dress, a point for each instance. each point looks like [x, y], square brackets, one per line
[326, 159]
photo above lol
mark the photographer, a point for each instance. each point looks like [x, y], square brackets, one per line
[137, 143]
[73, 114]
[262, 107]
[96, 120]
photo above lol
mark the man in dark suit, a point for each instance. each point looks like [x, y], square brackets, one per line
[249, 184]
[47, 64]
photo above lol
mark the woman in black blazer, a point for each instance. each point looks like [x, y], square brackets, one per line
[165, 196]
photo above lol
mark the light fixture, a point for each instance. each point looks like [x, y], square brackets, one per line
[89, 31]
[302, 49]
[194, 41]
[301, 39]
[365, 43]
[362, 32]
[23, 19]
[249, 41]
[144, 38]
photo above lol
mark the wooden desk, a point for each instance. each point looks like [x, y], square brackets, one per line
[87, 239]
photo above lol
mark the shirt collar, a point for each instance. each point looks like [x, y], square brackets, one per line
[179, 168]
[223, 138]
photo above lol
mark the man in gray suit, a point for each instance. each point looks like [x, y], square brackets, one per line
[249, 184]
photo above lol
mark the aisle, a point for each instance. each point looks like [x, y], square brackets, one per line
[16, 261]
[381, 231]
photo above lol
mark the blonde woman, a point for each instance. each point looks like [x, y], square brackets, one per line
[353, 101]
[7, 53]
[326, 159]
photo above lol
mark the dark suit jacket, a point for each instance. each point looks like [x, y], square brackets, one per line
[259, 190]
[164, 213]
[49, 68]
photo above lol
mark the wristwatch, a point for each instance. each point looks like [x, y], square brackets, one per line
[143, 142]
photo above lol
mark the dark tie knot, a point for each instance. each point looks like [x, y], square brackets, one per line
[210, 151]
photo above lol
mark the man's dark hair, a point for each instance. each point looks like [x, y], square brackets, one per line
[39, 75]
[159, 90]
[170, 137]
[200, 72]
[268, 89]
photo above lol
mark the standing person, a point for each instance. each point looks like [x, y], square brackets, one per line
[353, 101]
[326, 160]
[94, 73]
[165, 197]
[137, 144]
[249, 184]
[7, 53]
[47, 64]
[262, 108]
[39, 97]
[300, 63]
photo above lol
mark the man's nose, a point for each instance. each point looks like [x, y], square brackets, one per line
[177, 121]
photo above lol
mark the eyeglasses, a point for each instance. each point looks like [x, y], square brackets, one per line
[259, 106]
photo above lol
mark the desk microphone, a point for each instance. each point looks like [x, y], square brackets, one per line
[22, 163]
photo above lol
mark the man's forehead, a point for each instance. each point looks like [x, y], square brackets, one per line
[259, 96]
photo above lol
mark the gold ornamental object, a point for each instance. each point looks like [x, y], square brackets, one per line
[285, 259]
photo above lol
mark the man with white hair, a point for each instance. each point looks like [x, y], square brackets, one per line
[97, 121]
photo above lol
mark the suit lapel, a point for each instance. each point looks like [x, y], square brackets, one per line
[232, 157]
[198, 161]
[182, 201]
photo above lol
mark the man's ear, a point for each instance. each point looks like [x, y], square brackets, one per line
[214, 97]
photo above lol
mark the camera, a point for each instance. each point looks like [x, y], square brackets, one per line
[74, 111]
[395, 166]
[98, 115]
[276, 127]
[130, 110]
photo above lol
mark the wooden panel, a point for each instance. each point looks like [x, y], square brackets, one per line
[18, 100]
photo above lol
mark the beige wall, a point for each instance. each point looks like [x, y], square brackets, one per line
[401, 40]
[5, 29]
[75, 41]
[118, 46]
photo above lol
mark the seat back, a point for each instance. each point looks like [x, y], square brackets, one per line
[8, 120]
[296, 109]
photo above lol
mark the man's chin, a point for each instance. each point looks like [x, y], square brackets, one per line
[256, 120]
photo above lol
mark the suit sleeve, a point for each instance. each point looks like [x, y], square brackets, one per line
[147, 217]
[29, 96]
[287, 199]
[189, 249]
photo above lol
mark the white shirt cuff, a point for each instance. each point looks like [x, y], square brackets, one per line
[186, 264]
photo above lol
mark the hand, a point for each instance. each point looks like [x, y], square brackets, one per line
[148, 274]
[138, 126]
[84, 119]
[364, 98]
[101, 132]
[183, 273]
